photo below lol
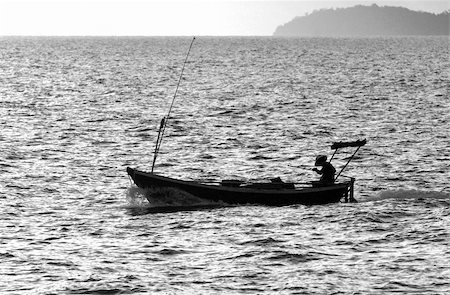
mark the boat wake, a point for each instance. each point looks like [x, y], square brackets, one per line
[136, 197]
[410, 194]
[152, 200]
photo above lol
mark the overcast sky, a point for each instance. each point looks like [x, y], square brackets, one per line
[168, 18]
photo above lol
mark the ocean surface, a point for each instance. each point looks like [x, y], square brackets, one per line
[75, 112]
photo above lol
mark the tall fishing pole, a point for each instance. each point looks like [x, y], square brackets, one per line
[164, 120]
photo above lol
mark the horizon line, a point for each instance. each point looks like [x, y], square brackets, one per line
[212, 36]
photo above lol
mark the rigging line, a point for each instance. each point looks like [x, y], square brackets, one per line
[163, 125]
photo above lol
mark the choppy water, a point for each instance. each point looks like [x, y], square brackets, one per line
[76, 111]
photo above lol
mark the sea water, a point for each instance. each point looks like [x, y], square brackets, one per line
[75, 112]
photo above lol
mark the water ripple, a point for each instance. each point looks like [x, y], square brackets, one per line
[76, 111]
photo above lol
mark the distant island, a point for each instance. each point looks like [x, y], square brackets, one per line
[367, 21]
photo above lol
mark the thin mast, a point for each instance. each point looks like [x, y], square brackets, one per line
[162, 127]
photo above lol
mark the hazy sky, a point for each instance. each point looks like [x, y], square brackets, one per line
[167, 18]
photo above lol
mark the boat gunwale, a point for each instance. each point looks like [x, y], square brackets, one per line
[219, 187]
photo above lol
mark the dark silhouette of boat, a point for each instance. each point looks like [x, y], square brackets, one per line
[235, 192]
[274, 193]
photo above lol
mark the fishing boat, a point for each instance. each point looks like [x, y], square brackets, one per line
[230, 192]
[273, 193]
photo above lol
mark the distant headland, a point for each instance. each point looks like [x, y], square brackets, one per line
[367, 21]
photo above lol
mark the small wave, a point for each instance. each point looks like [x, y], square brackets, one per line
[99, 290]
[260, 157]
[6, 255]
[292, 257]
[170, 252]
[261, 242]
[410, 194]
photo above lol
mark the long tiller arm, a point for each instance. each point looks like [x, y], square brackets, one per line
[346, 164]
[162, 127]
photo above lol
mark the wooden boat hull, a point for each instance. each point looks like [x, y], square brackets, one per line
[246, 195]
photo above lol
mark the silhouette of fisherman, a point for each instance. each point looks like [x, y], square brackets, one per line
[327, 171]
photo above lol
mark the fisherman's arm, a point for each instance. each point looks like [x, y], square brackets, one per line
[318, 171]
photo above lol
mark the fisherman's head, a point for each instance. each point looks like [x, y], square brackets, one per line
[320, 160]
